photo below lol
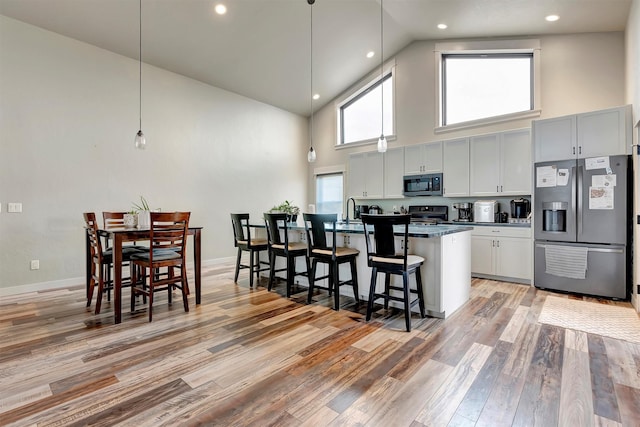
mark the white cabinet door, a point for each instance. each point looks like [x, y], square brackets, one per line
[455, 167]
[423, 158]
[433, 157]
[515, 163]
[513, 258]
[482, 255]
[374, 184]
[366, 175]
[593, 134]
[555, 139]
[603, 133]
[357, 175]
[393, 172]
[484, 165]
[413, 159]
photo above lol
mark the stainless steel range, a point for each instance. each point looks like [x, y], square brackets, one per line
[428, 214]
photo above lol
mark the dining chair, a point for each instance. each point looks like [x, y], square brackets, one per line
[384, 256]
[115, 220]
[279, 246]
[168, 236]
[244, 242]
[320, 251]
[101, 262]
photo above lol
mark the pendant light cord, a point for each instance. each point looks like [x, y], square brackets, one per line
[140, 66]
[381, 71]
[311, 73]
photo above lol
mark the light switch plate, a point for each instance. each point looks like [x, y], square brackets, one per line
[14, 208]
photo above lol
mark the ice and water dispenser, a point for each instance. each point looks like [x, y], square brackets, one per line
[554, 216]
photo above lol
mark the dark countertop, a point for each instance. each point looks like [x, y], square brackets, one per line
[415, 230]
[490, 224]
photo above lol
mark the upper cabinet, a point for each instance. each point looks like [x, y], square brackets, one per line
[366, 175]
[455, 167]
[423, 158]
[597, 133]
[500, 164]
[393, 172]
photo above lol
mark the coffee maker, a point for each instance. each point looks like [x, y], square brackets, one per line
[465, 212]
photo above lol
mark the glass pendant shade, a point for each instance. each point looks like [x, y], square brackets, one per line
[140, 141]
[382, 144]
[311, 155]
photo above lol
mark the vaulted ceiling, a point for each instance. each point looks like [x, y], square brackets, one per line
[260, 48]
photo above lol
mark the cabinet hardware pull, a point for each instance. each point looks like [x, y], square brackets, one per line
[574, 150]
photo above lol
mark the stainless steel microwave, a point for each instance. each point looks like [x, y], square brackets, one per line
[423, 185]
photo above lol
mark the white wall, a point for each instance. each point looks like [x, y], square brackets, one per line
[68, 116]
[633, 97]
[580, 72]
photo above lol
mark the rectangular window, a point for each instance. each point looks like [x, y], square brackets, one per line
[482, 85]
[329, 193]
[360, 116]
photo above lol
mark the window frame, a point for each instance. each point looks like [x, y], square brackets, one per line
[498, 47]
[372, 81]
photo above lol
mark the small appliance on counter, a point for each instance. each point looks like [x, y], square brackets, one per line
[485, 210]
[465, 212]
[502, 217]
[361, 209]
[520, 208]
[375, 210]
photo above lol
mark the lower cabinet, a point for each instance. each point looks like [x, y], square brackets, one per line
[502, 253]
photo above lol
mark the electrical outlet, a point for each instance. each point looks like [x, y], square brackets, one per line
[35, 264]
[14, 208]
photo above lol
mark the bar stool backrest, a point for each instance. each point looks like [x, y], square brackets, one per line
[276, 222]
[384, 240]
[314, 225]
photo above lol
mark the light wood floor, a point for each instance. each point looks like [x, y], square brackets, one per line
[252, 357]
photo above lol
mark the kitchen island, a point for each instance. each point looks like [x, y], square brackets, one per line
[446, 272]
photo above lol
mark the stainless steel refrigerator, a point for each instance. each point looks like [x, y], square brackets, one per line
[582, 225]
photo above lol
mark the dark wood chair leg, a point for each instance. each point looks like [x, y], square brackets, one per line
[235, 278]
[335, 277]
[312, 279]
[272, 269]
[407, 305]
[354, 279]
[420, 293]
[251, 267]
[372, 291]
[185, 299]
[150, 303]
[291, 271]
[387, 283]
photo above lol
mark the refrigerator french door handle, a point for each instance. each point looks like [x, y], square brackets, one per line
[579, 200]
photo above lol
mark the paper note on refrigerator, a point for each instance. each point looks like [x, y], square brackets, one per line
[596, 163]
[603, 180]
[600, 197]
[546, 176]
[563, 177]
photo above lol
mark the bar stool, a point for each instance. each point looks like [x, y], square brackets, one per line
[281, 247]
[244, 242]
[383, 257]
[333, 256]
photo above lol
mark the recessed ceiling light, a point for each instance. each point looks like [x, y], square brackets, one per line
[442, 26]
[316, 96]
[370, 54]
[221, 9]
[552, 18]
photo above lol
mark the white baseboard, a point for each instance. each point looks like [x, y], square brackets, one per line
[75, 281]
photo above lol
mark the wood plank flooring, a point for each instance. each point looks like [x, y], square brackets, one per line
[248, 357]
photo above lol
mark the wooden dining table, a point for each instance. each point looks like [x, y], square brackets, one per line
[120, 235]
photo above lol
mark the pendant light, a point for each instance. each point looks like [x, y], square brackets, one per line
[140, 141]
[382, 141]
[311, 155]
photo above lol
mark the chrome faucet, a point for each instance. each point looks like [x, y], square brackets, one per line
[354, 209]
